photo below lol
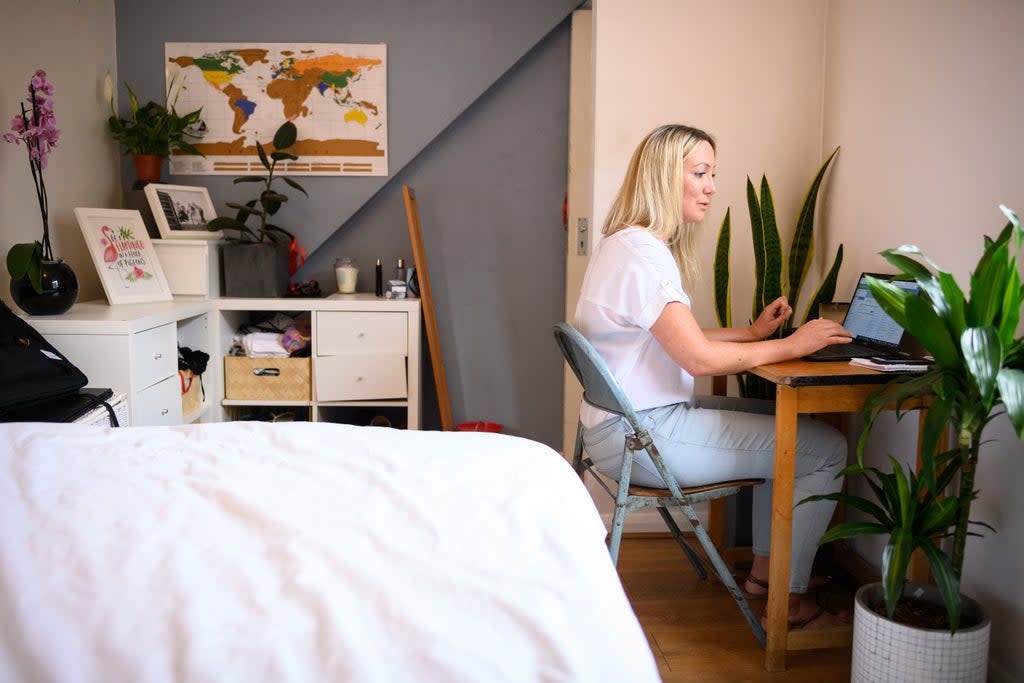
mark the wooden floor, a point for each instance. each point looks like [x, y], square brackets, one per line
[695, 629]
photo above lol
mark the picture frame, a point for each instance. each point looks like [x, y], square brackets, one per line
[181, 211]
[124, 256]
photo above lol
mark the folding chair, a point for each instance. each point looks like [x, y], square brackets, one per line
[602, 391]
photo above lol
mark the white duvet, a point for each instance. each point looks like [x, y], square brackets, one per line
[302, 552]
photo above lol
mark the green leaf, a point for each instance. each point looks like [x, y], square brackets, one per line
[1013, 298]
[925, 324]
[946, 581]
[895, 559]
[295, 185]
[1011, 391]
[801, 251]
[988, 284]
[891, 298]
[224, 223]
[846, 530]
[285, 136]
[282, 156]
[757, 235]
[772, 250]
[723, 298]
[262, 154]
[983, 357]
[826, 291]
[20, 257]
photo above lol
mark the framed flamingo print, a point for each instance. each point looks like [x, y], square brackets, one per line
[123, 255]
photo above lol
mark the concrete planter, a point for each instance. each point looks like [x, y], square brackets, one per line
[884, 651]
[255, 270]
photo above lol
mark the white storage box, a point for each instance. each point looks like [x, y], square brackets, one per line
[192, 267]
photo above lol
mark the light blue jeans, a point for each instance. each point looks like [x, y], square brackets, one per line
[718, 438]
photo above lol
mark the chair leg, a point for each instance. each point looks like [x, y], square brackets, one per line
[691, 554]
[726, 577]
[577, 453]
[621, 499]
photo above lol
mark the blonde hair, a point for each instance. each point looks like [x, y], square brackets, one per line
[651, 195]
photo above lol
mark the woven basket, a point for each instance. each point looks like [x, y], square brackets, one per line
[266, 379]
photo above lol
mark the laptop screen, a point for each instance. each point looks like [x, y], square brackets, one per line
[865, 317]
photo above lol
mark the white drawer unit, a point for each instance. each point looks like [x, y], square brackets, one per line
[132, 349]
[365, 354]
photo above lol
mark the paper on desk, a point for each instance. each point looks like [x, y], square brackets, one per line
[889, 367]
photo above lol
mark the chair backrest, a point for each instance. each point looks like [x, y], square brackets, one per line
[599, 387]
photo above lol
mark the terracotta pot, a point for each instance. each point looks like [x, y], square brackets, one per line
[148, 168]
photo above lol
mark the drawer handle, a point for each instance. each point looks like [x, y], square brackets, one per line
[157, 356]
[359, 379]
[360, 335]
[266, 372]
[165, 411]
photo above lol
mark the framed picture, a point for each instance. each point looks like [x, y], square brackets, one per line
[181, 211]
[124, 257]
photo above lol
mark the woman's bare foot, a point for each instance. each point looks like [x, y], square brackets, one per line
[805, 613]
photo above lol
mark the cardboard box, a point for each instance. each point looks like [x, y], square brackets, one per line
[267, 379]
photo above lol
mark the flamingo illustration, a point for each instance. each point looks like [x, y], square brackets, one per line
[110, 253]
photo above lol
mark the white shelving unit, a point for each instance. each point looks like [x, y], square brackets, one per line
[365, 353]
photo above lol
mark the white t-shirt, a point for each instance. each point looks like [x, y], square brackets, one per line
[629, 280]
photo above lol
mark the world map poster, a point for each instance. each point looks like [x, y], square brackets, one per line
[334, 93]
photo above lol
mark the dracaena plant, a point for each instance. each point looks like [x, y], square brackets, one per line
[269, 201]
[773, 276]
[977, 373]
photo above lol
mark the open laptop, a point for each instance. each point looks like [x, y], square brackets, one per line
[874, 332]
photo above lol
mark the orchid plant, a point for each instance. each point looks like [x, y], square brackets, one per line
[36, 126]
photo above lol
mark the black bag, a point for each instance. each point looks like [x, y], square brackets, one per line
[31, 370]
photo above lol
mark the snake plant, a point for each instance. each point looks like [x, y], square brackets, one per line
[977, 373]
[774, 277]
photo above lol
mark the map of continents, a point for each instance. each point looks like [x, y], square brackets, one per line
[334, 93]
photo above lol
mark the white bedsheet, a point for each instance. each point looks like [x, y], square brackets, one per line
[302, 552]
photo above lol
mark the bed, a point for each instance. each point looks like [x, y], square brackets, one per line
[307, 552]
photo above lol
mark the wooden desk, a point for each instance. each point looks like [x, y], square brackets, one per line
[802, 387]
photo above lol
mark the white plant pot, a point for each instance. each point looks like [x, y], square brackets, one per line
[885, 651]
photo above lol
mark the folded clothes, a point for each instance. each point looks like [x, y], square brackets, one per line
[264, 345]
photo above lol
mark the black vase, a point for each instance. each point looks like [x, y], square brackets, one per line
[60, 290]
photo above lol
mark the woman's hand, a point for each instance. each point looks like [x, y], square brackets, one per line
[771, 318]
[817, 334]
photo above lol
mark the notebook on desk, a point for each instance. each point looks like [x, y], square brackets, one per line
[874, 332]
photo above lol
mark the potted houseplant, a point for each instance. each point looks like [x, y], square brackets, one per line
[152, 131]
[774, 277]
[40, 283]
[977, 373]
[256, 260]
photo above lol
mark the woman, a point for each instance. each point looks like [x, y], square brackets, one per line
[634, 309]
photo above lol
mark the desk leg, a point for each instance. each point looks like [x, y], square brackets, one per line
[782, 526]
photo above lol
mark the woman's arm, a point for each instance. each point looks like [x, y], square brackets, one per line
[774, 314]
[721, 352]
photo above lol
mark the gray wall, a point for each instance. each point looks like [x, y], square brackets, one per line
[478, 111]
